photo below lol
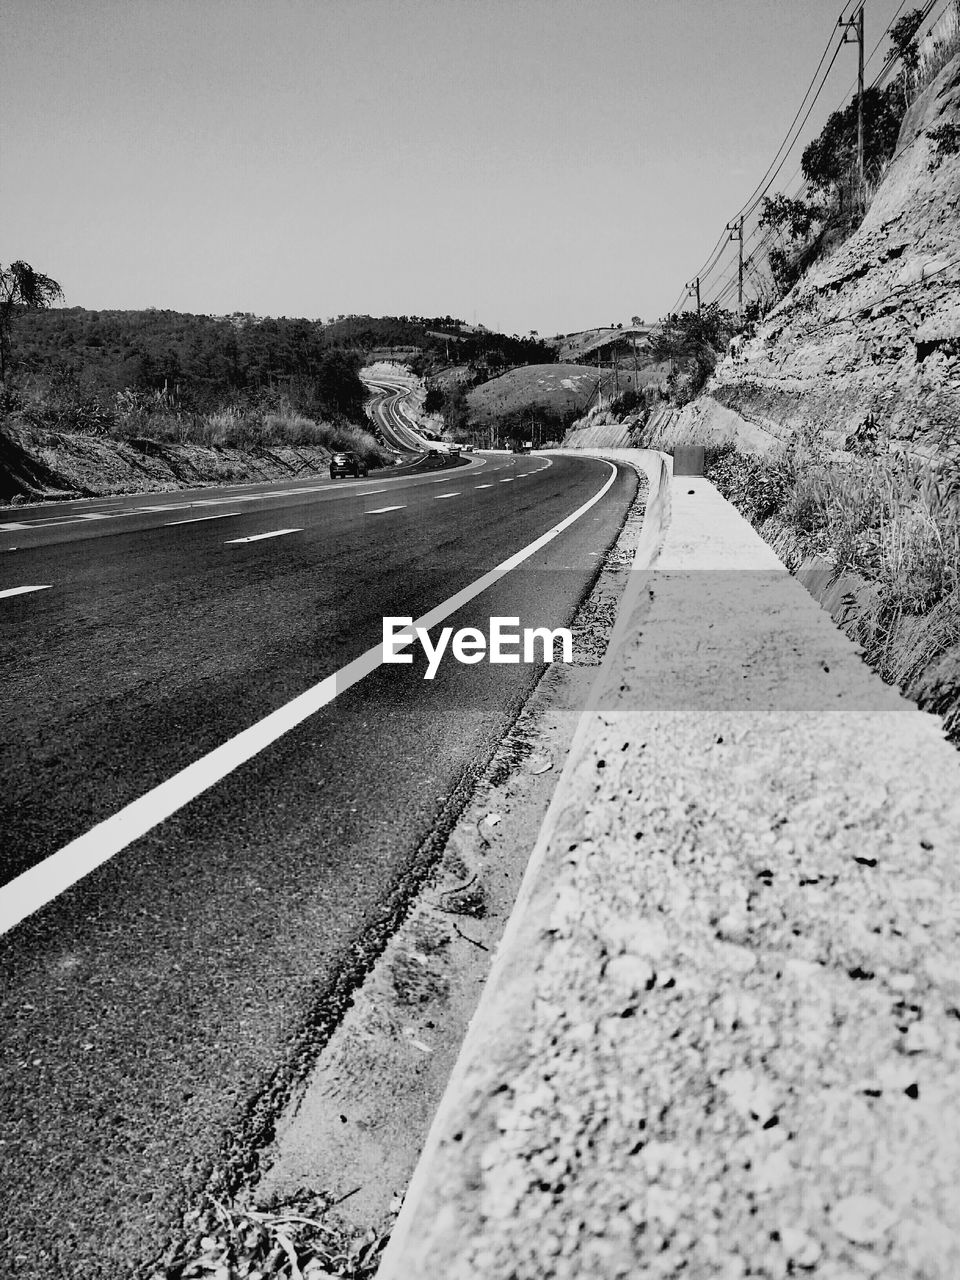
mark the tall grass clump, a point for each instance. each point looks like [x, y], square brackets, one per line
[936, 50]
[889, 519]
[139, 415]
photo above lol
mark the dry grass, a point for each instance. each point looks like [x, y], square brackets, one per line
[299, 1240]
[892, 521]
[238, 426]
[557, 389]
[152, 415]
[937, 49]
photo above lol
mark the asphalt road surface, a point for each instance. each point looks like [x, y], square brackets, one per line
[154, 1011]
[389, 414]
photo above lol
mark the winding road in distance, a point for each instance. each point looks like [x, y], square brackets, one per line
[389, 413]
[150, 1007]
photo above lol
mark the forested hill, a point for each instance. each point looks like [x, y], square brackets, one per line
[431, 339]
[206, 361]
[202, 360]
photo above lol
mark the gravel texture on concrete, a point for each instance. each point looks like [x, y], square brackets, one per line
[722, 1035]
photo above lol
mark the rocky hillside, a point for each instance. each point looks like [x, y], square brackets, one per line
[874, 329]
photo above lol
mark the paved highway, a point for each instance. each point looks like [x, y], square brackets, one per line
[155, 1009]
[389, 412]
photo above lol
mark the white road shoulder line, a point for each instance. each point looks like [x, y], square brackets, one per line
[259, 537]
[32, 889]
[22, 591]
[221, 515]
[378, 511]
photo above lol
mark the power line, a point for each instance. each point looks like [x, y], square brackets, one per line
[743, 208]
[773, 169]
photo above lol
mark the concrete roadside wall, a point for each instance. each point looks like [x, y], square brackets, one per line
[722, 1032]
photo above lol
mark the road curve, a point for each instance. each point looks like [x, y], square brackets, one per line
[164, 1002]
[388, 410]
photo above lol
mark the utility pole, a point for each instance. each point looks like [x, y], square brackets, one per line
[853, 30]
[693, 290]
[736, 233]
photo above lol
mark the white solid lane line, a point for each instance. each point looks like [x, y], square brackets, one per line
[32, 889]
[222, 515]
[378, 511]
[22, 591]
[258, 537]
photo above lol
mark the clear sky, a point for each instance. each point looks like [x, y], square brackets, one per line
[532, 164]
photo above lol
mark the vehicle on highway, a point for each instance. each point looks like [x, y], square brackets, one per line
[347, 464]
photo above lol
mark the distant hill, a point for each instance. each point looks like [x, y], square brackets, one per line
[608, 342]
[555, 391]
[430, 342]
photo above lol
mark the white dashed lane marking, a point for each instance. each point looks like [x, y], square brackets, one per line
[441, 496]
[378, 511]
[483, 486]
[221, 515]
[22, 591]
[258, 537]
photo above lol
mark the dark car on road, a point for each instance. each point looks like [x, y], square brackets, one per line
[346, 464]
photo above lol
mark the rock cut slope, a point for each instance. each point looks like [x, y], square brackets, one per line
[874, 328]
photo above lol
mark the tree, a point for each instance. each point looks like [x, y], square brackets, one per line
[21, 286]
[903, 43]
[794, 217]
[829, 160]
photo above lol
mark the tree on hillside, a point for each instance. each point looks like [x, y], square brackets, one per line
[830, 159]
[21, 286]
[791, 216]
[903, 41]
[696, 339]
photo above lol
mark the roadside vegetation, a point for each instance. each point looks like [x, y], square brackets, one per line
[834, 202]
[303, 1239]
[893, 525]
[243, 381]
[830, 207]
[163, 376]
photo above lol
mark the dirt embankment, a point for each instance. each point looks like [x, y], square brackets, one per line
[42, 465]
[872, 330]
